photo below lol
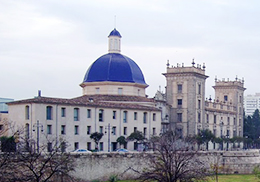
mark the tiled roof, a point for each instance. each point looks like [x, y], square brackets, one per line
[106, 101]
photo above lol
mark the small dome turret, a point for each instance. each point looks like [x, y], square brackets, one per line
[114, 42]
[114, 33]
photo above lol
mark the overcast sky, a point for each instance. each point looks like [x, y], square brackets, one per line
[49, 45]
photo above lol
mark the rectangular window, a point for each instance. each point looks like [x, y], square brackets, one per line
[225, 98]
[228, 133]
[100, 115]
[145, 131]
[179, 101]
[27, 112]
[179, 117]
[154, 117]
[89, 113]
[125, 117]
[120, 91]
[101, 129]
[114, 114]
[235, 123]
[63, 112]
[76, 145]
[76, 114]
[125, 145]
[179, 88]
[63, 146]
[234, 133]
[207, 118]
[49, 147]
[199, 104]
[228, 121]
[101, 146]
[215, 119]
[88, 130]
[135, 145]
[49, 128]
[89, 145]
[63, 129]
[199, 89]
[135, 129]
[125, 130]
[49, 112]
[154, 131]
[214, 132]
[76, 130]
[199, 118]
[145, 117]
[114, 130]
[135, 115]
[97, 90]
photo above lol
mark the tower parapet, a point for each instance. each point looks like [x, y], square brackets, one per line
[189, 69]
[239, 83]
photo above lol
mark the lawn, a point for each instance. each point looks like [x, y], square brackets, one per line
[227, 178]
[237, 178]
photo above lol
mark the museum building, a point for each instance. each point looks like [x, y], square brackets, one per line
[114, 103]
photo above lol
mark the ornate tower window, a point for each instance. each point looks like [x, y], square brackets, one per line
[179, 88]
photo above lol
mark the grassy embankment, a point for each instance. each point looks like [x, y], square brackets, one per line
[227, 178]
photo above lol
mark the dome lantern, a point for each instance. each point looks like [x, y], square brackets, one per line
[114, 42]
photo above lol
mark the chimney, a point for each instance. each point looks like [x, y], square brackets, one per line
[39, 93]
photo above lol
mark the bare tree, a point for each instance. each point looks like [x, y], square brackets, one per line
[174, 160]
[47, 164]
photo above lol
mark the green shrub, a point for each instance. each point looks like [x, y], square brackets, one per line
[256, 172]
[113, 178]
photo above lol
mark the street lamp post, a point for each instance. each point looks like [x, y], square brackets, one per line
[38, 125]
[221, 134]
[108, 134]
[227, 139]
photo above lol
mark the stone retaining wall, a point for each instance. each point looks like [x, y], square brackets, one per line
[125, 165]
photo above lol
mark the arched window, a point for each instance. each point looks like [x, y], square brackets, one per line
[76, 114]
[27, 112]
[101, 115]
[27, 129]
[125, 117]
[145, 117]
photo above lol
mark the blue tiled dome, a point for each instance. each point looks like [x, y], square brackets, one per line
[114, 67]
[114, 33]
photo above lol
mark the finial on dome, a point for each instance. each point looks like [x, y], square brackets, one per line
[193, 63]
[115, 21]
